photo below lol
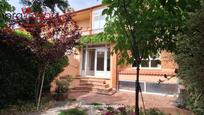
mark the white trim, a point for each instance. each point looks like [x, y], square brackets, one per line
[85, 63]
[104, 73]
[149, 62]
[145, 89]
[81, 61]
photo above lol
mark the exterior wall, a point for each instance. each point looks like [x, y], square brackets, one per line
[167, 61]
[85, 26]
[151, 75]
[147, 78]
[73, 69]
[114, 70]
[122, 72]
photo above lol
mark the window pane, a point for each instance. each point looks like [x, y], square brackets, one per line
[90, 62]
[108, 60]
[162, 88]
[100, 61]
[129, 85]
[91, 58]
[83, 59]
[145, 63]
[155, 63]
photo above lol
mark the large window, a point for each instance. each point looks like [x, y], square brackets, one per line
[150, 87]
[98, 21]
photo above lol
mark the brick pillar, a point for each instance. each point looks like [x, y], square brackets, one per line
[113, 70]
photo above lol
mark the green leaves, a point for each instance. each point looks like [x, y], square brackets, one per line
[190, 59]
[4, 7]
[41, 5]
[146, 25]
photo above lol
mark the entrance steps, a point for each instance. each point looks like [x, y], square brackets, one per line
[97, 85]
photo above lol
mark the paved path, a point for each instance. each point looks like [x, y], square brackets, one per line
[164, 103]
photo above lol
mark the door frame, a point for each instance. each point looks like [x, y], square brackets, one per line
[97, 74]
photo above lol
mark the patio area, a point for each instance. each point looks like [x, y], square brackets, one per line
[164, 103]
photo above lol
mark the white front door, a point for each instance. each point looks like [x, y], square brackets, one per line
[101, 62]
[96, 62]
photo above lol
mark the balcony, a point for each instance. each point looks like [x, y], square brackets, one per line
[88, 31]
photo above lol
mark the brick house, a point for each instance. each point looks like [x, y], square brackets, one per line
[94, 69]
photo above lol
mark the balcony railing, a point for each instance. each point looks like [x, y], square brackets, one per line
[89, 31]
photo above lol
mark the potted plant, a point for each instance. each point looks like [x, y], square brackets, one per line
[62, 88]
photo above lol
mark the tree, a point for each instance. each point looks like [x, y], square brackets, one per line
[19, 68]
[40, 5]
[4, 6]
[52, 36]
[145, 27]
[189, 57]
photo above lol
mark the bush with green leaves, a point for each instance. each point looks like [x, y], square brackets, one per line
[190, 59]
[18, 74]
[74, 111]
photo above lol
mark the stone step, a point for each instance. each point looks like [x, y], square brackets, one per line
[94, 85]
[93, 81]
[76, 91]
[103, 91]
[107, 93]
[91, 88]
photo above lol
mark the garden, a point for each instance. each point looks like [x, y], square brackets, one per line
[34, 50]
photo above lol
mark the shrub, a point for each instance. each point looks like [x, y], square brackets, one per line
[18, 73]
[190, 59]
[152, 112]
[73, 111]
[62, 87]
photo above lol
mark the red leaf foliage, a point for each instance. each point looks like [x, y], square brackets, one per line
[52, 36]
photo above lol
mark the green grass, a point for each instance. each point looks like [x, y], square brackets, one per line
[73, 111]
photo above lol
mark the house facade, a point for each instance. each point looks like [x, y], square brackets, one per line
[94, 68]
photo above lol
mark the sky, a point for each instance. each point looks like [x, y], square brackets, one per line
[76, 4]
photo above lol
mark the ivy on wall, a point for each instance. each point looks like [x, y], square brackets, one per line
[95, 39]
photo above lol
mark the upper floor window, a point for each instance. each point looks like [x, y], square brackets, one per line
[98, 21]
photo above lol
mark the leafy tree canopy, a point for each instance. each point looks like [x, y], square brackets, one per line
[40, 5]
[4, 6]
[190, 59]
[144, 27]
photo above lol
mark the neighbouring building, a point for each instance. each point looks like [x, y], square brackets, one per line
[93, 68]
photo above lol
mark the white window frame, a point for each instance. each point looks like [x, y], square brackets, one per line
[145, 89]
[84, 72]
[95, 13]
[149, 59]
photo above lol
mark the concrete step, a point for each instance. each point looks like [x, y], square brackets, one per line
[107, 93]
[94, 85]
[77, 91]
[93, 81]
[91, 88]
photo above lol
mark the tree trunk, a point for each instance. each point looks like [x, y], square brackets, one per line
[37, 86]
[41, 87]
[137, 89]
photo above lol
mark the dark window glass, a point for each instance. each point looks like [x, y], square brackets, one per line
[108, 60]
[100, 61]
[145, 63]
[83, 59]
[155, 63]
[161, 88]
[129, 85]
